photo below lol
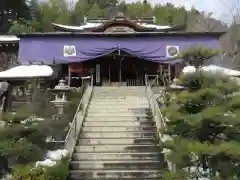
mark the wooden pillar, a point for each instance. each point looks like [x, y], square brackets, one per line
[29, 92]
[69, 76]
[176, 71]
[120, 70]
[169, 73]
[98, 74]
[109, 73]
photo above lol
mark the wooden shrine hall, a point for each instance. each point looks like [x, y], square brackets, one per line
[118, 50]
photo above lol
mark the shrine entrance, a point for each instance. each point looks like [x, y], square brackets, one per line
[119, 69]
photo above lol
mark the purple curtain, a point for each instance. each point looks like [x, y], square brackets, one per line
[50, 49]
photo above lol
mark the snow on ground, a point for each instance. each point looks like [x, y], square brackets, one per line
[57, 154]
[212, 69]
[32, 119]
[46, 162]
[52, 157]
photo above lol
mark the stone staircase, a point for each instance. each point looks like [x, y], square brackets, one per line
[118, 138]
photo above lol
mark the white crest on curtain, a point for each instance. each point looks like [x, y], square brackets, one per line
[69, 51]
[172, 51]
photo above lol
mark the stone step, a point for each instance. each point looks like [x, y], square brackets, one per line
[117, 148]
[120, 90]
[114, 110]
[116, 174]
[131, 95]
[125, 178]
[129, 92]
[111, 165]
[119, 87]
[119, 110]
[126, 156]
[121, 95]
[118, 128]
[132, 103]
[117, 106]
[125, 114]
[120, 103]
[117, 134]
[127, 88]
[111, 123]
[118, 98]
[118, 118]
[112, 141]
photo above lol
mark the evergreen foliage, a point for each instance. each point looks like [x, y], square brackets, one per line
[62, 12]
[204, 121]
[195, 56]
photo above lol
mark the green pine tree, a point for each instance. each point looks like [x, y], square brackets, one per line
[204, 121]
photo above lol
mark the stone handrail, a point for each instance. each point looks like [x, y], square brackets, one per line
[158, 118]
[76, 124]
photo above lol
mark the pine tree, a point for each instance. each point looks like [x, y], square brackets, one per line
[205, 123]
[12, 10]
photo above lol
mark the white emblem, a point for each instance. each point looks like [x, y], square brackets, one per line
[69, 51]
[172, 51]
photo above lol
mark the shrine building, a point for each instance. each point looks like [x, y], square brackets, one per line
[117, 50]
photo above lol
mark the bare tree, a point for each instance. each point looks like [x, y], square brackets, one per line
[230, 41]
[203, 22]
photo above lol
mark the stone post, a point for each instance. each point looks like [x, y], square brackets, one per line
[29, 93]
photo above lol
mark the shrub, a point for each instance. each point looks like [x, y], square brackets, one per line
[22, 113]
[20, 151]
[30, 172]
[27, 172]
[58, 172]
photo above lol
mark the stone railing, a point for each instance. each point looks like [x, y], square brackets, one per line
[76, 124]
[159, 119]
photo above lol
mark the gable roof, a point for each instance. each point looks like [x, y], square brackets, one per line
[101, 25]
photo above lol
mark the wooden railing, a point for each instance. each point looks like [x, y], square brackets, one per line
[134, 82]
[156, 80]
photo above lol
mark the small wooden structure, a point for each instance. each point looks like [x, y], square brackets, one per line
[19, 75]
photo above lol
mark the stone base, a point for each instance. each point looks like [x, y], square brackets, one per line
[2, 124]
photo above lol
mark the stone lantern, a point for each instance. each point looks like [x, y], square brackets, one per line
[60, 92]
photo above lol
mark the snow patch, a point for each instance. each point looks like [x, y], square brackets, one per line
[27, 71]
[32, 119]
[7, 38]
[212, 69]
[46, 162]
[52, 157]
[57, 154]
[95, 25]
